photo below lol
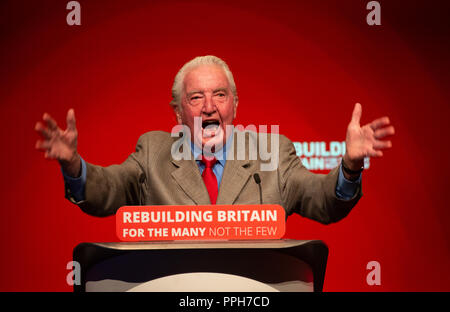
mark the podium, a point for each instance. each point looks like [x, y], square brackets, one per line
[179, 266]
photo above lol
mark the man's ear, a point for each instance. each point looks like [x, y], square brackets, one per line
[176, 110]
[235, 107]
[178, 115]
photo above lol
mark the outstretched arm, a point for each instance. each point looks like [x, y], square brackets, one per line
[101, 190]
[314, 195]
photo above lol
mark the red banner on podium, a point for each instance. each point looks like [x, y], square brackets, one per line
[211, 222]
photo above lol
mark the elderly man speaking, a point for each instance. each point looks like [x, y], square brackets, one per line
[221, 170]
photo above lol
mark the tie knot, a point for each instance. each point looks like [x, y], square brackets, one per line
[209, 162]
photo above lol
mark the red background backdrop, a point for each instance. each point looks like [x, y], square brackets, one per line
[299, 64]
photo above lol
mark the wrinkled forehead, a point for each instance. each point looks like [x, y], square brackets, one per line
[205, 78]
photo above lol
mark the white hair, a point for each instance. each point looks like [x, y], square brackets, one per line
[177, 87]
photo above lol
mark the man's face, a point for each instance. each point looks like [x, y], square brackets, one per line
[207, 94]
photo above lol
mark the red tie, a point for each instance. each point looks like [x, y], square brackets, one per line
[210, 178]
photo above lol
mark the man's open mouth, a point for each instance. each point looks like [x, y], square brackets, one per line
[210, 127]
[213, 123]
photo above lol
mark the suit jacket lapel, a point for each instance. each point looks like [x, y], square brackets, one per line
[235, 176]
[188, 177]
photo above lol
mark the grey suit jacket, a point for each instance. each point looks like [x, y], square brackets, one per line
[150, 176]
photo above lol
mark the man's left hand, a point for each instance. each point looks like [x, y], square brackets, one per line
[366, 141]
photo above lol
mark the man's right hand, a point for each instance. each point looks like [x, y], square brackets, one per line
[60, 144]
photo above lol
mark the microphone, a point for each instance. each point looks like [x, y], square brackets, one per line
[142, 179]
[258, 181]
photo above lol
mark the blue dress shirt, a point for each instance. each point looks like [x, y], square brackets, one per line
[220, 155]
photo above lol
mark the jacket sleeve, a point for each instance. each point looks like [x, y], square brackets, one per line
[109, 188]
[311, 195]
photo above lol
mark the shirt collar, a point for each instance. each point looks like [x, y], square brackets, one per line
[221, 155]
